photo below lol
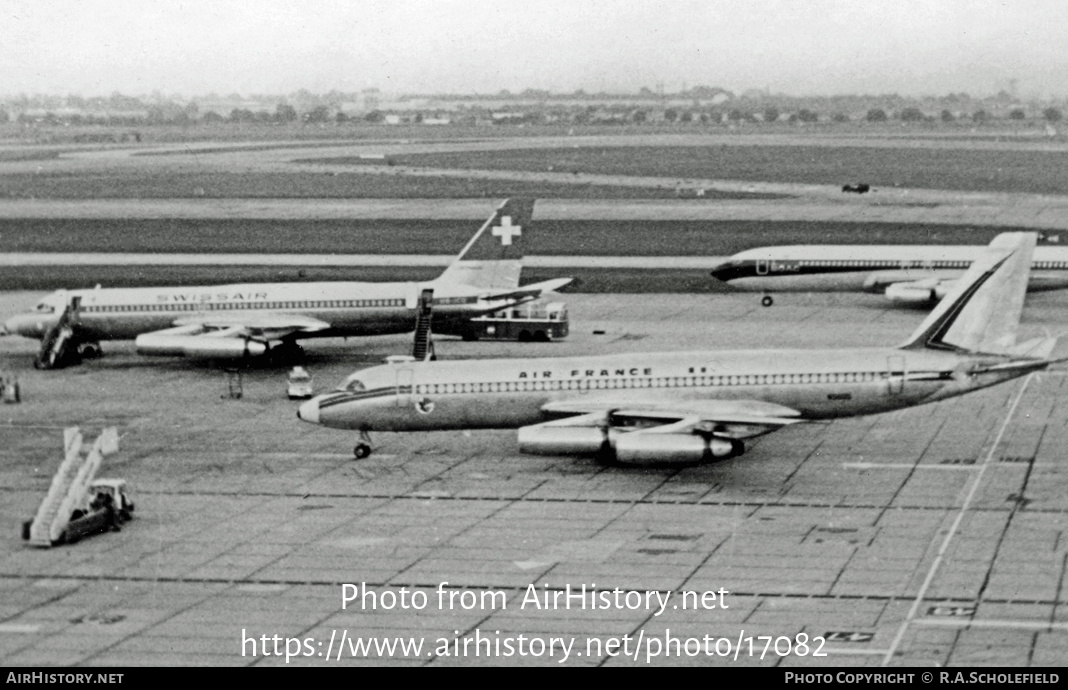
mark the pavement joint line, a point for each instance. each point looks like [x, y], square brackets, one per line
[854, 652]
[1020, 624]
[907, 466]
[976, 481]
[609, 501]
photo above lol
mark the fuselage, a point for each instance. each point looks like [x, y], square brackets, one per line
[351, 309]
[818, 268]
[508, 393]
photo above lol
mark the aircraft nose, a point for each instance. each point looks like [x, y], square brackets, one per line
[731, 269]
[309, 411]
[721, 271]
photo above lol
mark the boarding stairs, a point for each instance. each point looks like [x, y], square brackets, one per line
[59, 346]
[70, 484]
[423, 346]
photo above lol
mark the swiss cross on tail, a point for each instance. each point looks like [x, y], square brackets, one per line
[501, 237]
[506, 231]
[493, 258]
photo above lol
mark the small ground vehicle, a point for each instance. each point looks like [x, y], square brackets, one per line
[105, 507]
[531, 322]
[300, 384]
[9, 389]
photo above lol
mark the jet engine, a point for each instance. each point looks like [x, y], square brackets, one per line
[551, 439]
[881, 280]
[628, 448]
[198, 346]
[641, 448]
[915, 293]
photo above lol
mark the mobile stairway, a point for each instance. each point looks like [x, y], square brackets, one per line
[59, 346]
[70, 484]
[423, 346]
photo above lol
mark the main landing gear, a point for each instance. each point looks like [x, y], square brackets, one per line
[287, 354]
[90, 350]
[767, 300]
[363, 448]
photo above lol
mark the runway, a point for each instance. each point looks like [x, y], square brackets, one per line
[931, 536]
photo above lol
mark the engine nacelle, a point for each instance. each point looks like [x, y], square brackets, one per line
[911, 294]
[637, 448]
[198, 346]
[542, 439]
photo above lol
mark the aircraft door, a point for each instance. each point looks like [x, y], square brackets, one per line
[404, 387]
[762, 267]
[411, 295]
[895, 366]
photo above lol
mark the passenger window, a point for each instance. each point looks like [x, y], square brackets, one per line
[355, 386]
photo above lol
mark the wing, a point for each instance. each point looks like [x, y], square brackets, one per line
[636, 430]
[273, 325]
[225, 335]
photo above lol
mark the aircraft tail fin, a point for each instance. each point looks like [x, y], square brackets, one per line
[493, 257]
[982, 313]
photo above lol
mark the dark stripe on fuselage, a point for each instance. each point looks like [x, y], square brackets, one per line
[341, 398]
[735, 270]
[777, 268]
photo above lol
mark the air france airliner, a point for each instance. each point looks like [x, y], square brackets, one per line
[692, 407]
[909, 274]
[236, 321]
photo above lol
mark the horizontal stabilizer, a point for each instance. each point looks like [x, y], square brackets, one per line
[532, 291]
[1039, 348]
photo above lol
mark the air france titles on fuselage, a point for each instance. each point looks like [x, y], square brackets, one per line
[590, 373]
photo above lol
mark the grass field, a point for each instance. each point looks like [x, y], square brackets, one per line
[311, 185]
[1043, 172]
[393, 236]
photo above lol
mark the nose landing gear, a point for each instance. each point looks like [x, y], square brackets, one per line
[363, 448]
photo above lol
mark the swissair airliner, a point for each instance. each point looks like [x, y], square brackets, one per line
[235, 321]
[690, 407]
[908, 274]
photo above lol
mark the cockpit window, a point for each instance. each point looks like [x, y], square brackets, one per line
[44, 308]
[355, 386]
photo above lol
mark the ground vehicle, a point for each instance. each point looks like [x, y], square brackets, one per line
[535, 321]
[106, 506]
[9, 389]
[300, 384]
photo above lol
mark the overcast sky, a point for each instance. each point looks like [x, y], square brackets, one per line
[799, 47]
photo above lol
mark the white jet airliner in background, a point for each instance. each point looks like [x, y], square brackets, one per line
[908, 274]
[690, 407]
[228, 321]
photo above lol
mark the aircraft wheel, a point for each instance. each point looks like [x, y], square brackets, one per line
[287, 353]
[767, 301]
[90, 350]
[361, 451]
